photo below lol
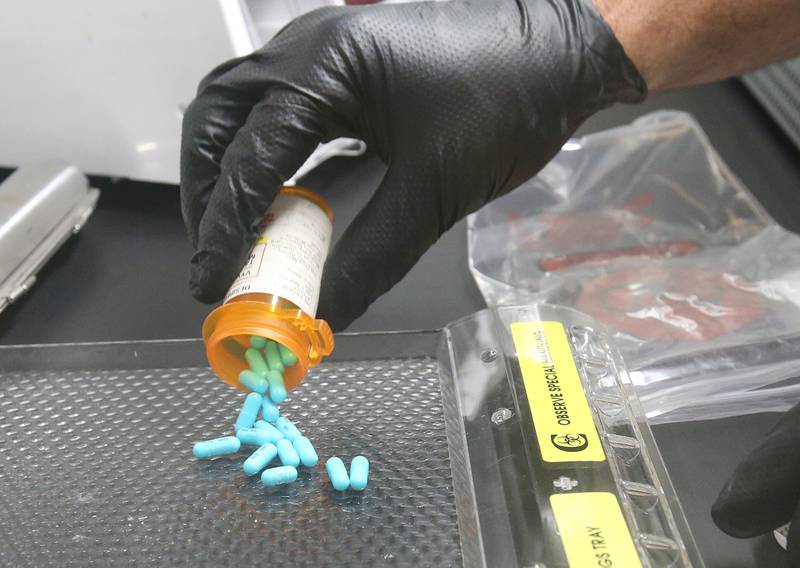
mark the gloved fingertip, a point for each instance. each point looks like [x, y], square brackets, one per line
[205, 295]
[744, 509]
[728, 514]
[205, 284]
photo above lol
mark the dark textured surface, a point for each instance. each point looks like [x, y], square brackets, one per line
[96, 470]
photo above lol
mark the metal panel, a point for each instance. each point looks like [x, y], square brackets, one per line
[777, 87]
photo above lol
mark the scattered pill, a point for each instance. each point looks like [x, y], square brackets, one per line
[253, 381]
[305, 449]
[288, 358]
[266, 426]
[277, 390]
[249, 412]
[273, 357]
[287, 453]
[260, 459]
[269, 411]
[254, 436]
[256, 361]
[287, 428]
[359, 473]
[278, 475]
[337, 473]
[273, 434]
[216, 447]
[257, 342]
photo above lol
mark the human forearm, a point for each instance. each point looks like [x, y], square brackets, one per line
[676, 43]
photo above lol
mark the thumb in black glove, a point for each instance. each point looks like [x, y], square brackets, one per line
[464, 100]
[764, 491]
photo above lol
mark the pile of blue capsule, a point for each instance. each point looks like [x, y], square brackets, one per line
[260, 424]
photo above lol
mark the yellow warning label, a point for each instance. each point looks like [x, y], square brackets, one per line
[262, 240]
[564, 426]
[593, 531]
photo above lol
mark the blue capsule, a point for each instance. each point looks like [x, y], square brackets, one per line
[269, 411]
[256, 361]
[277, 390]
[254, 436]
[249, 412]
[337, 473]
[287, 453]
[288, 358]
[274, 432]
[289, 430]
[278, 475]
[216, 447]
[253, 381]
[260, 459]
[257, 342]
[359, 473]
[305, 449]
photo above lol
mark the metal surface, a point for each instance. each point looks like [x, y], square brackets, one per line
[41, 205]
[777, 87]
[95, 453]
[96, 466]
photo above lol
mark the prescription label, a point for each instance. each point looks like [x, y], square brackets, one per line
[289, 254]
[562, 419]
[593, 531]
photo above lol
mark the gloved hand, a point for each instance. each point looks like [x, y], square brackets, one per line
[764, 491]
[464, 100]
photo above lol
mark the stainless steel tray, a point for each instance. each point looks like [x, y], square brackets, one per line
[96, 465]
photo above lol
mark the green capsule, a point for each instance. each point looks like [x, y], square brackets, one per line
[257, 342]
[253, 381]
[288, 358]
[273, 357]
[256, 362]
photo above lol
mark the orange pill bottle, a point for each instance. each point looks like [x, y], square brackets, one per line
[275, 295]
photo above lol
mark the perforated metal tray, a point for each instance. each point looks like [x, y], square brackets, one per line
[96, 467]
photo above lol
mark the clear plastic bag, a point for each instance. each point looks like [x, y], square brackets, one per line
[645, 229]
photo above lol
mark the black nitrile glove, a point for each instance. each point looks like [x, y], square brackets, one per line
[464, 100]
[764, 491]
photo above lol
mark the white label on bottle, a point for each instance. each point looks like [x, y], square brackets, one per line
[289, 255]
